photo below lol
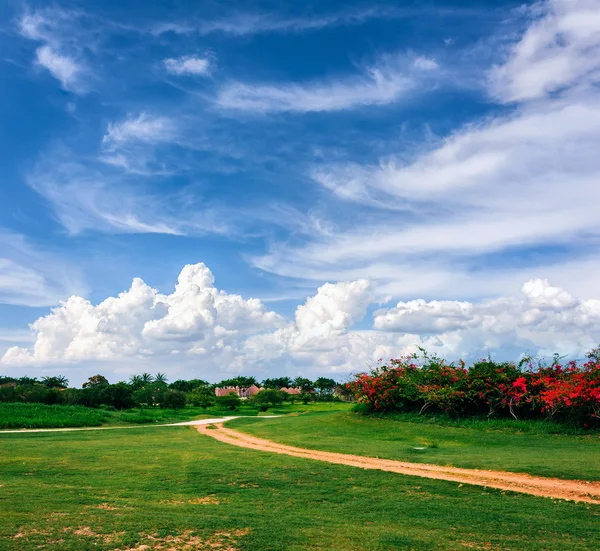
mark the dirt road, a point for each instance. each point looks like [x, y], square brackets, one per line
[515, 482]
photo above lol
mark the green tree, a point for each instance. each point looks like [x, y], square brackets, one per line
[188, 386]
[304, 384]
[202, 396]
[230, 401]
[267, 398]
[148, 395]
[241, 381]
[174, 399]
[160, 378]
[279, 382]
[119, 395]
[306, 397]
[55, 382]
[325, 385]
[95, 380]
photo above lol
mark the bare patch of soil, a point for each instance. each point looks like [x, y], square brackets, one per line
[574, 490]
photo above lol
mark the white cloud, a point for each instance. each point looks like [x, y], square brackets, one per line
[196, 319]
[560, 49]
[141, 128]
[59, 53]
[32, 277]
[544, 319]
[241, 24]
[188, 65]
[89, 196]
[201, 330]
[381, 84]
[522, 179]
[61, 67]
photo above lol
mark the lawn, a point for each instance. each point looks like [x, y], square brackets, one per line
[519, 447]
[16, 415]
[171, 488]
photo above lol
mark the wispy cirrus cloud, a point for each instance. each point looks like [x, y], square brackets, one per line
[559, 50]
[242, 24]
[382, 84]
[501, 184]
[88, 195]
[60, 52]
[31, 276]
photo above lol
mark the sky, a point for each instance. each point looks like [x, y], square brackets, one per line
[208, 189]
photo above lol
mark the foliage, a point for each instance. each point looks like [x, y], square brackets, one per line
[95, 380]
[188, 386]
[304, 384]
[55, 382]
[569, 393]
[39, 416]
[240, 381]
[279, 382]
[325, 385]
[267, 398]
[172, 399]
[201, 396]
[230, 401]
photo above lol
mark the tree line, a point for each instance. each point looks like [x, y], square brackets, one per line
[147, 390]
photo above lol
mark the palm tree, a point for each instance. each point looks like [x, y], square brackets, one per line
[160, 378]
[55, 382]
[147, 378]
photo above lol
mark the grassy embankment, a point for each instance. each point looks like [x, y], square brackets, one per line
[531, 447]
[171, 487]
[15, 415]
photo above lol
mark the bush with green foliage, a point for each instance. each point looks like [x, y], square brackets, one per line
[173, 399]
[569, 393]
[230, 401]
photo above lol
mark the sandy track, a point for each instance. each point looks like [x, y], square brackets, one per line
[515, 482]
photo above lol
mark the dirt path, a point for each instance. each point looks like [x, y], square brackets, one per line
[121, 427]
[515, 482]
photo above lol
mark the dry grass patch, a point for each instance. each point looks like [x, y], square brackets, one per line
[187, 541]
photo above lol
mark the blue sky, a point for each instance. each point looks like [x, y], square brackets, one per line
[426, 161]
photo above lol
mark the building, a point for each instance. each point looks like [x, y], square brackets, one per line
[242, 392]
[291, 390]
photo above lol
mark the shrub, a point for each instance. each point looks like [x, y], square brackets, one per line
[173, 399]
[568, 393]
[230, 401]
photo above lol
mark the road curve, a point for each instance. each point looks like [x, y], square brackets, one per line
[574, 490]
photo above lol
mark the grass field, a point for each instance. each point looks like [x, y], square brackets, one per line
[14, 415]
[519, 447]
[171, 488]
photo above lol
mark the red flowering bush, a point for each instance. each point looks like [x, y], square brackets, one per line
[567, 393]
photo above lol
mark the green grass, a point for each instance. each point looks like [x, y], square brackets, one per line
[39, 416]
[114, 490]
[16, 415]
[521, 447]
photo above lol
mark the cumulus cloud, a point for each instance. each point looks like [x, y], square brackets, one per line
[199, 327]
[544, 318]
[188, 65]
[195, 319]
